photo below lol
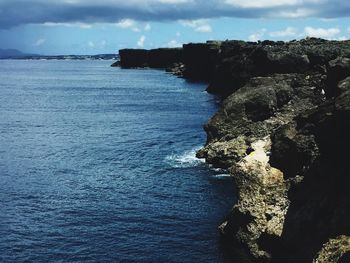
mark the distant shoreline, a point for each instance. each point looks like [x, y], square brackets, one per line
[64, 57]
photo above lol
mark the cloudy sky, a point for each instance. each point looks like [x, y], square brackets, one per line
[104, 26]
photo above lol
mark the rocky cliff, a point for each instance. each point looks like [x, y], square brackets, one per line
[283, 133]
[200, 59]
[155, 58]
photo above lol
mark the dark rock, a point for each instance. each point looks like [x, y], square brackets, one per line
[236, 67]
[239, 61]
[338, 70]
[164, 57]
[284, 62]
[278, 90]
[245, 111]
[201, 60]
[177, 69]
[116, 64]
[282, 131]
[156, 58]
[344, 85]
[320, 205]
[133, 58]
[291, 152]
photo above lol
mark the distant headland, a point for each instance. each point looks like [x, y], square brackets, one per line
[16, 54]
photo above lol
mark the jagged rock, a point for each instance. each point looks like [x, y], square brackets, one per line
[338, 69]
[240, 61]
[263, 200]
[262, 204]
[319, 207]
[262, 105]
[344, 85]
[334, 251]
[306, 130]
[224, 154]
[177, 69]
[282, 130]
[292, 152]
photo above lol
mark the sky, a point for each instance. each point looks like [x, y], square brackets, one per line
[53, 27]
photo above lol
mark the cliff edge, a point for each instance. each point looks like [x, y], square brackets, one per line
[282, 131]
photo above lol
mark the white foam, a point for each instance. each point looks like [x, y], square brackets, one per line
[184, 160]
[219, 170]
[222, 176]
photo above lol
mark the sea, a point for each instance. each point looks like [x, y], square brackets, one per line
[97, 164]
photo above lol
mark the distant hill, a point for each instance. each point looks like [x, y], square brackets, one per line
[16, 54]
[12, 53]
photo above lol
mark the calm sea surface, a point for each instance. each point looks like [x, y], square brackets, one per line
[97, 165]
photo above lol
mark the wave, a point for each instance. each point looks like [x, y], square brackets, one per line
[222, 176]
[185, 159]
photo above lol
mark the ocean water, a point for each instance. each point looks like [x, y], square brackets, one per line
[97, 165]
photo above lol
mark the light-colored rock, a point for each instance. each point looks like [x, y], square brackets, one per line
[333, 250]
[262, 195]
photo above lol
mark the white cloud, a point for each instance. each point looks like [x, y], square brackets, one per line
[349, 29]
[147, 27]
[297, 13]
[191, 23]
[199, 25]
[174, 1]
[128, 24]
[327, 33]
[257, 35]
[39, 42]
[203, 29]
[141, 41]
[174, 43]
[288, 32]
[267, 3]
[125, 23]
[178, 34]
[90, 12]
[78, 24]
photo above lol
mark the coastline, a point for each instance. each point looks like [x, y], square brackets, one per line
[283, 122]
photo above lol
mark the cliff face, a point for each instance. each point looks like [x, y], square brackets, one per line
[201, 60]
[133, 58]
[155, 58]
[282, 131]
[319, 213]
[194, 61]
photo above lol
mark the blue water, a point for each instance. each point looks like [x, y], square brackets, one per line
[97, 165]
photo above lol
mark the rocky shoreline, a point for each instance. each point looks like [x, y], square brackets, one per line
[282, 131]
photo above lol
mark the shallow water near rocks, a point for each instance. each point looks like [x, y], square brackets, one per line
[97, 165]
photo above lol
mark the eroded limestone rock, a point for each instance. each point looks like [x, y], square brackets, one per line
[333, 250]
[292, 190]
[262, 196]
